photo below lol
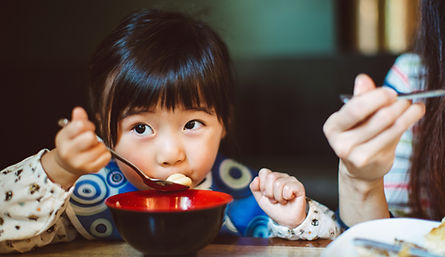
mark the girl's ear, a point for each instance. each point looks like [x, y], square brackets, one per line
[224, 132]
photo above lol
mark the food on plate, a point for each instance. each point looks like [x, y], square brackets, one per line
[435, 239]
[399, 248]
[180, 179]
[434, 243]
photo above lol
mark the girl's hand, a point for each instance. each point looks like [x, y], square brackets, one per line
[364, 133]
[281, 196]
[77, 151]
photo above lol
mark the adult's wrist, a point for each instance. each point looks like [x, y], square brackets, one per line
[361, 200]
[359, 188]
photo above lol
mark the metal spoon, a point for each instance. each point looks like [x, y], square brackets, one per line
[412, 95]
[154, 183]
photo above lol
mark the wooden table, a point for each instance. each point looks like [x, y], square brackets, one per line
[222, 246]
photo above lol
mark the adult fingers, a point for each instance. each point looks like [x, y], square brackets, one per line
[363, 153]
[79, 113]
[357, 110]
[363, 83]
[381, 120]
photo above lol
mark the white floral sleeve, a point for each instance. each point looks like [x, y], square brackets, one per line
[320, 222]
[32, 208]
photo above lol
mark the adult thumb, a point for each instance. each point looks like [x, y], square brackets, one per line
[362, 84]
[79, 114]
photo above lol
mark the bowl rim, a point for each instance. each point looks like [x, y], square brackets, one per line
[110, 202]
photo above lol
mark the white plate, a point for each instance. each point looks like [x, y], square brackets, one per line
[385, 230]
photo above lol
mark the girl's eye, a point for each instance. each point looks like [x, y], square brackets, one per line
[193, 124]
[143, 129]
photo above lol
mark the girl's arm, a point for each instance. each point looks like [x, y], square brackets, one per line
[36, 191]
[320, 222]
[292, 215]
[31, 208]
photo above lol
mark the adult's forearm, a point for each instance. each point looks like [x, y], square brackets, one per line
[361, 201]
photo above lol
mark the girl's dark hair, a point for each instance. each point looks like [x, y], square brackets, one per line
[157, 57]
[427, 174]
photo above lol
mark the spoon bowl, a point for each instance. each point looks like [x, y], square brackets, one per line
[154, 183]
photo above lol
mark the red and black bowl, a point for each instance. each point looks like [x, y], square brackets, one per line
[168, 224]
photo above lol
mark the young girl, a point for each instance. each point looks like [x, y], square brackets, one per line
[385, 167]
[160, 92]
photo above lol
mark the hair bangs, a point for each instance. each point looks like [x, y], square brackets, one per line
[186, 87]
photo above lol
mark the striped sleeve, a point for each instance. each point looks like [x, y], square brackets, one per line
[404, 76]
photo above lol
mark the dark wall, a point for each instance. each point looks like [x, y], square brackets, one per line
[282, 102]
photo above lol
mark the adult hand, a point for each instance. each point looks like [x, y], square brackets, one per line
[364, 133]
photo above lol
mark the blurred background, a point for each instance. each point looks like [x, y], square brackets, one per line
[292, 59]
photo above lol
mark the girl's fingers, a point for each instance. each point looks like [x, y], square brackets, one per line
[293, 189]
[277, 189]
[276, 186]
[79, 123]
[255, 185]
[69, 147]
[99, 162]
[76, 127]
[271, 179]
[84, 141]
[91, 160]
[262, 175]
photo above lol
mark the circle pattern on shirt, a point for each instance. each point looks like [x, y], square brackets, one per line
[115, 178]
[90, 190]
[258, 227]
[101, 228]
[234, 174]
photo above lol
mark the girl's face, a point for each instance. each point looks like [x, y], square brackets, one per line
[163, 142]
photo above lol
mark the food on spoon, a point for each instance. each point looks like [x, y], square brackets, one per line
[180, 179]
[435, 239]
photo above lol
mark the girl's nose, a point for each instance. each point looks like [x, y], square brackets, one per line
[170, 152]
